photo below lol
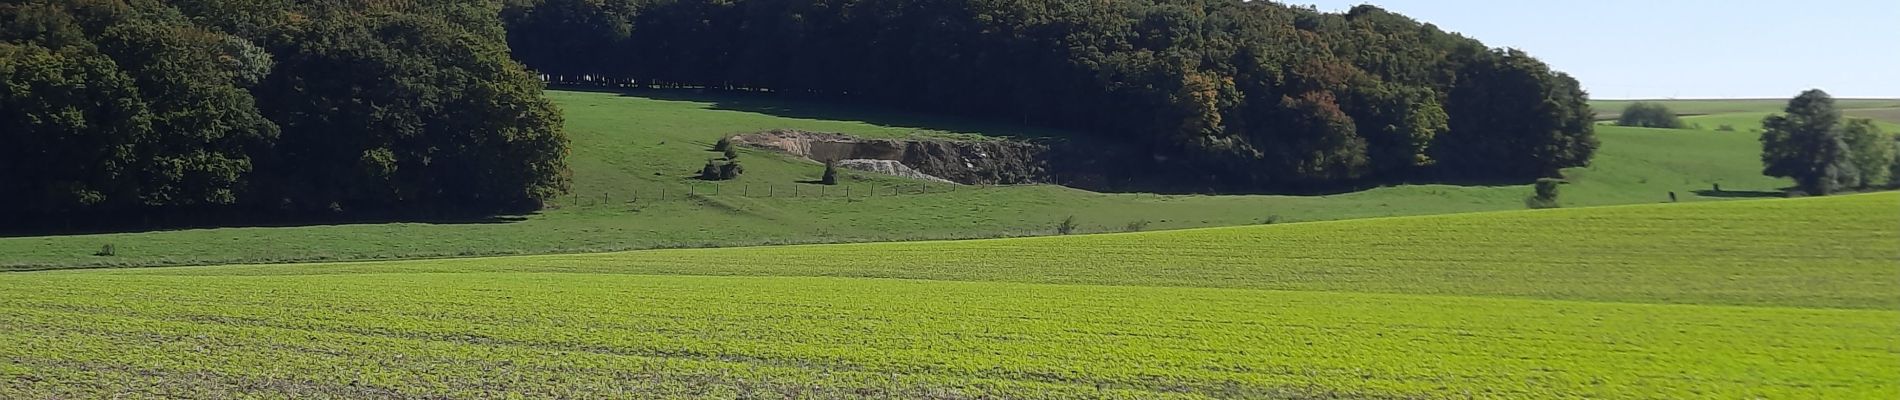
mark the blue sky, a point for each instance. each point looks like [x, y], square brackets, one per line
[1651, 49]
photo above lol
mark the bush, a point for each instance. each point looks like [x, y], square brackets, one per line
[721, 171]
[1270, 220]
[107, 251]
[723, 145]
[731, 154]
[1649, 115]
[1136, 226]
[731, 170]
[1725, 128]
[1067, 226]
[831, 173]
[1546, 196]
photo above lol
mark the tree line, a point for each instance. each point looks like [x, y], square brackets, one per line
[273, 107]
[1204, 92]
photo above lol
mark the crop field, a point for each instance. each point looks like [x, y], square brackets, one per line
[1751, 122]
[1888, 115]
[1783, 298]
[1609, 109]
[633, 154]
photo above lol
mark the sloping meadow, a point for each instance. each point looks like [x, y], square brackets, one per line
[1773, 298]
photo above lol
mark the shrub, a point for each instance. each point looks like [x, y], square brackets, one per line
[1725, 128]
[1546, 196]
[1649, 115]
[731, 154]
[721, 171]
[1067, 226]
[107, 251]
[1270, 220]
[723, 145]
[1136, 226]
[831, 173]
[731, 170]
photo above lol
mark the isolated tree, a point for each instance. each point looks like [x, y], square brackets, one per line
[831, 173]
[1805, 143]
[1649, 115]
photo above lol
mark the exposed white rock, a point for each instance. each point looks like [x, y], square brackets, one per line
[889, 167]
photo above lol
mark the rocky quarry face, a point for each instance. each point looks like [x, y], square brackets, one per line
[987, 162]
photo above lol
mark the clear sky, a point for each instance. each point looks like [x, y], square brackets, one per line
[1651, 49]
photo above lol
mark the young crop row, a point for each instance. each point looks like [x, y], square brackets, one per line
[609, 335]
[1768, 299]
[1833, 252]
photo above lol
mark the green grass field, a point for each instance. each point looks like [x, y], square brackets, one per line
[640, 144]
[1785, 298]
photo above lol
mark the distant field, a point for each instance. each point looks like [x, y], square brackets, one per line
[1753, 299]
[647, 144]
[1889, 115]
[1751, 122]
[1609, 109]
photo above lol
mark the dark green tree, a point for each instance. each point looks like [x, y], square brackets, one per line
[830, 176]
[1198, 92]
[1649, 115]
[73, 124]
[1805, 143]
[143, 108]
[410, 110]
[206, 123]
[1870, 150]
[1512, 117]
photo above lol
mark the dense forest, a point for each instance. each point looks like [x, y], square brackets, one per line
[1205, 92]
[304, 107]
[118, 108]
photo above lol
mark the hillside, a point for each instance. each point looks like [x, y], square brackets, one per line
[1771, 298]
[648, 144]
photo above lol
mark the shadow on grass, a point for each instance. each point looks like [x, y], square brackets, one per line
[179, 222]
[1740, 194]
